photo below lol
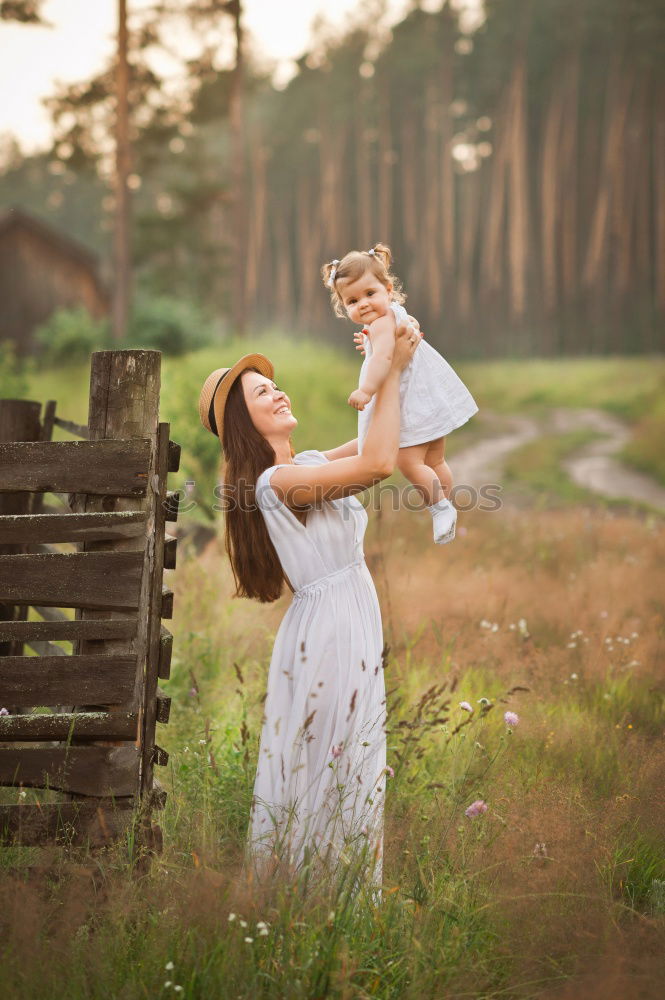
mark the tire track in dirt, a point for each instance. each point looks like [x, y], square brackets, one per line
[593, 467]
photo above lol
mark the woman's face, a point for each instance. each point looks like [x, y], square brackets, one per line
[268, 406]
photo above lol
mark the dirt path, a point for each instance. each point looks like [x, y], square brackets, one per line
[593, 467]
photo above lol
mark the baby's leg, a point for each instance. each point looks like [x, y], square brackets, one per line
[412, 463]
[435, 458]
[426, 467]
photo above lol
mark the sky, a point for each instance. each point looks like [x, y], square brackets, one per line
[33, 59]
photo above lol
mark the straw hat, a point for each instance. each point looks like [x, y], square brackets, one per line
[216, 387]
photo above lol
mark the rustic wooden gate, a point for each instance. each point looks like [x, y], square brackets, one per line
[82, 723]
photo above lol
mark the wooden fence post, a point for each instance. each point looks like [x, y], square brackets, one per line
[19, 421]
[124, 403]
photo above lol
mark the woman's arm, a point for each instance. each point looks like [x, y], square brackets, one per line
[302, 485]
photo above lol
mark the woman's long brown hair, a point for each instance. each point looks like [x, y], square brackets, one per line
[256, 567]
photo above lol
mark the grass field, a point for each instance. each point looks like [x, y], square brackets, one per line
[556, 891]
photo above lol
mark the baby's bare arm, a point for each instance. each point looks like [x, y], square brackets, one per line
[382, 336]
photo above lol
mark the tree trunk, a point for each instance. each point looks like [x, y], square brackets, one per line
[236, 117]
[121, 243]
[431, 214]
[257, 221]
[518, 216]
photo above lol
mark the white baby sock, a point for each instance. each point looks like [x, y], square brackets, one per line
[444, 518]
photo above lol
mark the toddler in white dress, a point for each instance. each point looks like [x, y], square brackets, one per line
[433, 399]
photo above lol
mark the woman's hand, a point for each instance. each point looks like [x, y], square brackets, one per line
[359, 335]
[359, 341]
[406, 342]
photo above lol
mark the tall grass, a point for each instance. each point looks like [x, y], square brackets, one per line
[554, 891]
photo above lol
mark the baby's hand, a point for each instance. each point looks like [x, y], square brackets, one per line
[358, 340]
[359, 399]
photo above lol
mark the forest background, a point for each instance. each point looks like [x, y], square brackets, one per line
[513, 168]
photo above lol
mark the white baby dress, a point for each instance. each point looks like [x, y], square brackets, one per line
[320, 779]
[433, 398]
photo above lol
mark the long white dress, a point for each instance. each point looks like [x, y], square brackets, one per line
[433, 398]
[320, 780]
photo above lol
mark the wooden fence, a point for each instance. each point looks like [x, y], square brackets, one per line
[82, 723]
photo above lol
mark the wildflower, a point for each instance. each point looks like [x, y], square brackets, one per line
[336, 751]
[167, 984]
[178, 989]
[573, 677]
[476, 808]
[4, 711]
[465, 706]
[264, 932]
[169, 966]
[572, 645]
[249, 940]
[389, 771]
[243, 923]
[202, 743]
[522, 626]
[511, 718]
[484, 623]
[232, 916]
[495, 627]
[192, 692]
[483, 701]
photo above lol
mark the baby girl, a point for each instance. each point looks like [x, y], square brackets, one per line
[433, 399]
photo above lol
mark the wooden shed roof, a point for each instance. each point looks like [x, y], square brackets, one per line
[18, 218]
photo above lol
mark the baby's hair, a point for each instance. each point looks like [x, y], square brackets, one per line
[353, 265]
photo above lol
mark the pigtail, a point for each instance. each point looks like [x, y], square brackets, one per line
[328, 273]
[383, 252]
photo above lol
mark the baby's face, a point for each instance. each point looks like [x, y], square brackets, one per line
[366, 298]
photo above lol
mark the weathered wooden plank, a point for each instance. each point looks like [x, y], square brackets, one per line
[95, 822]
[171, 504]
[91, 770]
[91, 628]
[170, 549]
[118, 468]
[163, 706]
[165, 652]
[109, 580]
[87, 679]
[159, 756]
[68, 425]
[166, 610]
[174, 456]
[66, 725]
[34, 528]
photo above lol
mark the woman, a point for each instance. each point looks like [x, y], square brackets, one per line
[322, 757]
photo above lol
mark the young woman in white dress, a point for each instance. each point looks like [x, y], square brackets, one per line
[433, 399]
[294, 518]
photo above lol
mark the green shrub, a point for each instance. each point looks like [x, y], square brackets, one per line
[70, 336]
[169, 325]
[13, 372]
